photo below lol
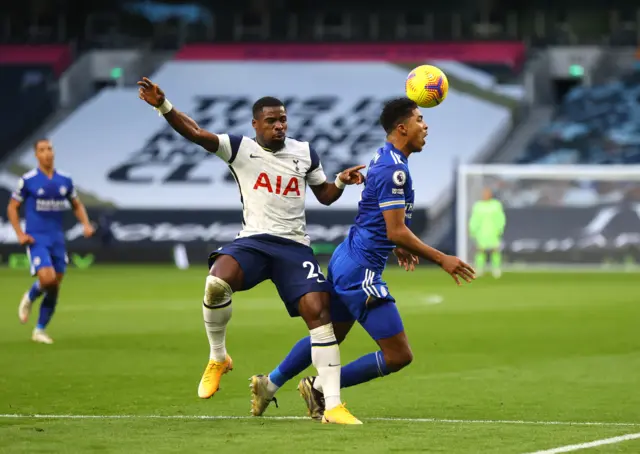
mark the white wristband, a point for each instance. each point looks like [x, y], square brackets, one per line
[339, 184]
[165, 107]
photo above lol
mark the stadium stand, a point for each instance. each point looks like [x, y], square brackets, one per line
[594, 124]
[28, 86]
[331, 106]
[480, 110]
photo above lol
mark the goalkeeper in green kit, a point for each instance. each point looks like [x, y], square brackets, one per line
[486, 227]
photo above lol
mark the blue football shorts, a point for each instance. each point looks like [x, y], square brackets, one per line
[359, 294]
[290, 265]
[47, 252]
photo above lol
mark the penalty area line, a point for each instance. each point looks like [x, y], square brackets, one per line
[297, 418]
[591, 444]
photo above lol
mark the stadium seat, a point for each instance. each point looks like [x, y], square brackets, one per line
[593, 125]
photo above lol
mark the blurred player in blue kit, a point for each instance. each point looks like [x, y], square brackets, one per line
[355, 269]
[46, 194]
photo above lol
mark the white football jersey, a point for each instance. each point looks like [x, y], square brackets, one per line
[272, 185]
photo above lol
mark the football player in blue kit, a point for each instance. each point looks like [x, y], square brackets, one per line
[355, 269]
[46, 194]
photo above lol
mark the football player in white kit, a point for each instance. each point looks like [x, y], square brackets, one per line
[272, 172]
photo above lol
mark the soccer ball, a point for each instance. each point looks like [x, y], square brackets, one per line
[427, 86]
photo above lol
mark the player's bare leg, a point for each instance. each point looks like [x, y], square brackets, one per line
[325, 355]
[225, 277]
[396, 352]
[49, 282]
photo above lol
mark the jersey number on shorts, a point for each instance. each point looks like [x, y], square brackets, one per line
[312, 273]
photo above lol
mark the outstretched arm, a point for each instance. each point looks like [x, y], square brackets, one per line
[406, 259]
[399, 234]
[179, 121]
[327, 193]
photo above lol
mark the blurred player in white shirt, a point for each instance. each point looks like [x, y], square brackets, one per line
[272, 172]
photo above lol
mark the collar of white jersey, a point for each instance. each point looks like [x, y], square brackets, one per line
[269, 150]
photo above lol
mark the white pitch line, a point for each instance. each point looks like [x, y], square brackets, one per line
[591, 444]
[296, 418]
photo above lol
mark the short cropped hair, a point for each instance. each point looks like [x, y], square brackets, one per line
[42, 139]
[267, 101]
[395, 112]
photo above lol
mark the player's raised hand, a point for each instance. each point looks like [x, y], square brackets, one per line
[25, 239]
[352, 175]
[150, 92]
[89, 231]
[458, 269]
[406, 260]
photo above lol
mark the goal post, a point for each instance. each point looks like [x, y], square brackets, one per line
[572, 216]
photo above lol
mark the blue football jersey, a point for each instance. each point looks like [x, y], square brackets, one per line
[388, 186]
[45, 200]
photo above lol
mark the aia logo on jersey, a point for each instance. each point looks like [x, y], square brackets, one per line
[276, 186]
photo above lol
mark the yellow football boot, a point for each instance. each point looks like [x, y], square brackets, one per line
[339, 415]
[210, 382]
[260, 395]
[312, 397]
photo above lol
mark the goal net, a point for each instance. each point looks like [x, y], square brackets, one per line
[571, 216]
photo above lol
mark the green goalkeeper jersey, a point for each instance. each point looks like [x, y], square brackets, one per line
[487, 219]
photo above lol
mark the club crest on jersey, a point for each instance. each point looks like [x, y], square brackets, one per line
[296, 162]
[63, 191]
[399, 177]
[275, 186]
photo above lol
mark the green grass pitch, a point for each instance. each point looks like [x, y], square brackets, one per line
[494, 361]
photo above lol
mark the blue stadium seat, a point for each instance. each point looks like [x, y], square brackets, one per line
[593, 125]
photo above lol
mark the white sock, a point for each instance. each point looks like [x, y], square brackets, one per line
[317, 384]
[216, 311]
[271, 387]
[325, 355]
[215, 322]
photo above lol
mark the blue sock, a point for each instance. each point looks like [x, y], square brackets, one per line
[47, 309]
[359, 371]
[363, 369]
[35, 291]
[298, 359]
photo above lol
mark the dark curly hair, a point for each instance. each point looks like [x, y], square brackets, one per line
[267, 101]
[395, 112]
